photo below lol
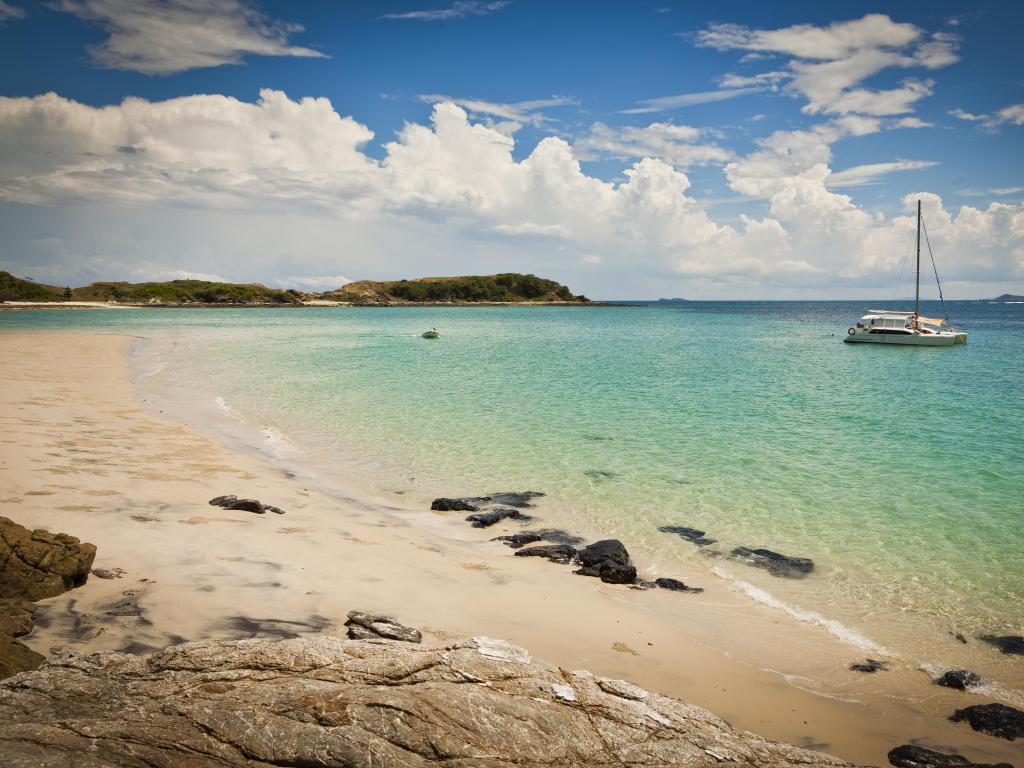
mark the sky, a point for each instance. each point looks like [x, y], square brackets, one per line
[632, 150]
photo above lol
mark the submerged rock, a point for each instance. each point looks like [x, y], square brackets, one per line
[468, 504]
[367, 626]
[994, 719]
[554, 535]
[774, 563]
[1007, 643]
[689, 534]
[609, 561]
[321, 701]
[489, 517]
[676, 586]
[960, 679]
[912, 756]
[556, 553]
[516, 498]
[871, 665]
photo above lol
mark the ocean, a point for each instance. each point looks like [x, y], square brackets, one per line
[899, 471]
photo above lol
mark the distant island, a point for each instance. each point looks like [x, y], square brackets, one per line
[672, 301]
[506, 288]
[1008, 297]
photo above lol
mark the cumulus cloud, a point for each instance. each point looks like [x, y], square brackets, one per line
[457, 10]
[828, 64]
[288, 182]
[162, 37]
[675, 144]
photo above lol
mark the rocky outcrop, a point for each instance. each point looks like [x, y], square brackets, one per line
[609, 561]
[556, 553]
[245, 505]
[33, 565]
[321, 701]
[491, 516]
[676, 585]
[960, 679]
[467, 504]
[774, 563]
[994, 719]
[1006, 643]
[369, 626]
[691, 535]
[554, 535]
[38, 564]
[516, 498]
[912, 756]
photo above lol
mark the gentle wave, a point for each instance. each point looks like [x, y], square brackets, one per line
[834, 627]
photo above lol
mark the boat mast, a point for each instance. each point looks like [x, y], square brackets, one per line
[917, 284]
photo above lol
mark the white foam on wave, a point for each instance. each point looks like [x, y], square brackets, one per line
[226, 409]
[278, 445]
[988, 688]
[834, 627]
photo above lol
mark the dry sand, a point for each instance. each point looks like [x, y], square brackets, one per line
[79, 454]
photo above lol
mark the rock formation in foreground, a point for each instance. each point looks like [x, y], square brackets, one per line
[321, 701]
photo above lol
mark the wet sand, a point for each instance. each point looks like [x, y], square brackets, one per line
[80, 454]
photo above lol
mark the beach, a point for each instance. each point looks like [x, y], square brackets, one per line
[82, 454]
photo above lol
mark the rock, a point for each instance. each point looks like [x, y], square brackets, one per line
[556, 553]
[368, 626]
[322, 701]
[38, 564]
[911, 756]
[995, 719]
[491, 516]
[222, 501]
[515, 499]
[17, 657]
[960, 679]
[609, 561]
[959, 637]
[16, 616]
[554, 535]
[776, 564]
[676, 585]
[690, 534]
[246, 505]
[104, 573]
[871, 665]
[469, 504]
[272, 508]
[1006, 643]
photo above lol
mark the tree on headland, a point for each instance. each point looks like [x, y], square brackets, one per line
[67, 293]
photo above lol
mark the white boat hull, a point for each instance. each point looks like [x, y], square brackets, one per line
[945, 339]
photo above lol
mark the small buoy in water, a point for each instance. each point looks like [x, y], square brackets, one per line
[431, 334]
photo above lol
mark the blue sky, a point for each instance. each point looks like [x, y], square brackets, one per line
[762, 150]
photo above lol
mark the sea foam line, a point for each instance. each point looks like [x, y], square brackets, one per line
[833, 626]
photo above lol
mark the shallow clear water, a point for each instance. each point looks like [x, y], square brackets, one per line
[900, 471]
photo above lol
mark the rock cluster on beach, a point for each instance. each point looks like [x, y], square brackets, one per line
[321, 701]
[34, 565]
[912, 756]
[244, 505]
[995, 719]
[370, 626]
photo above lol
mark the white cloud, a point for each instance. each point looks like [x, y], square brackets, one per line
[675, 144]
[512, 116]
[1011, 115]
[309, 282]
[162, 37]
[9, 12]
[667, 103]
[209, 184]
[829, 63]
[859, 175]
[458, 10]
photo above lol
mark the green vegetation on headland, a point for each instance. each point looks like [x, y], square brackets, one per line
[508, 287]
[504, 288]
[1008, 297]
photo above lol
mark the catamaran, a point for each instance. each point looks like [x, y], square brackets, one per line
[886, 326]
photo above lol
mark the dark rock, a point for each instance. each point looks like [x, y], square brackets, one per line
[871, 665]
[609, 561]
[469, 504]
[491, 516]
[221, 501]
[246, 505]
[104, 573]
[38, 564]
[960, 679]
[774, 563]
[272, 508]
[600, 474]
[16, 616]
[676, 586]
[368, 626]
[515, 499]
[959, 637]
[554, 535]
[911, 756]
[1006, 643]
[690, 534]
[994, 719]
[17, 657]
[556, 553]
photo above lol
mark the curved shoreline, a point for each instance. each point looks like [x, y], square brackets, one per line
[83, 440]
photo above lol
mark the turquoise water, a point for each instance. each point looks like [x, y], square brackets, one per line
[900, 471]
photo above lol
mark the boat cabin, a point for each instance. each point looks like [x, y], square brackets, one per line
[894, 323]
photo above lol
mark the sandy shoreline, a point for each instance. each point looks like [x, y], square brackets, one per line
[79, 454]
